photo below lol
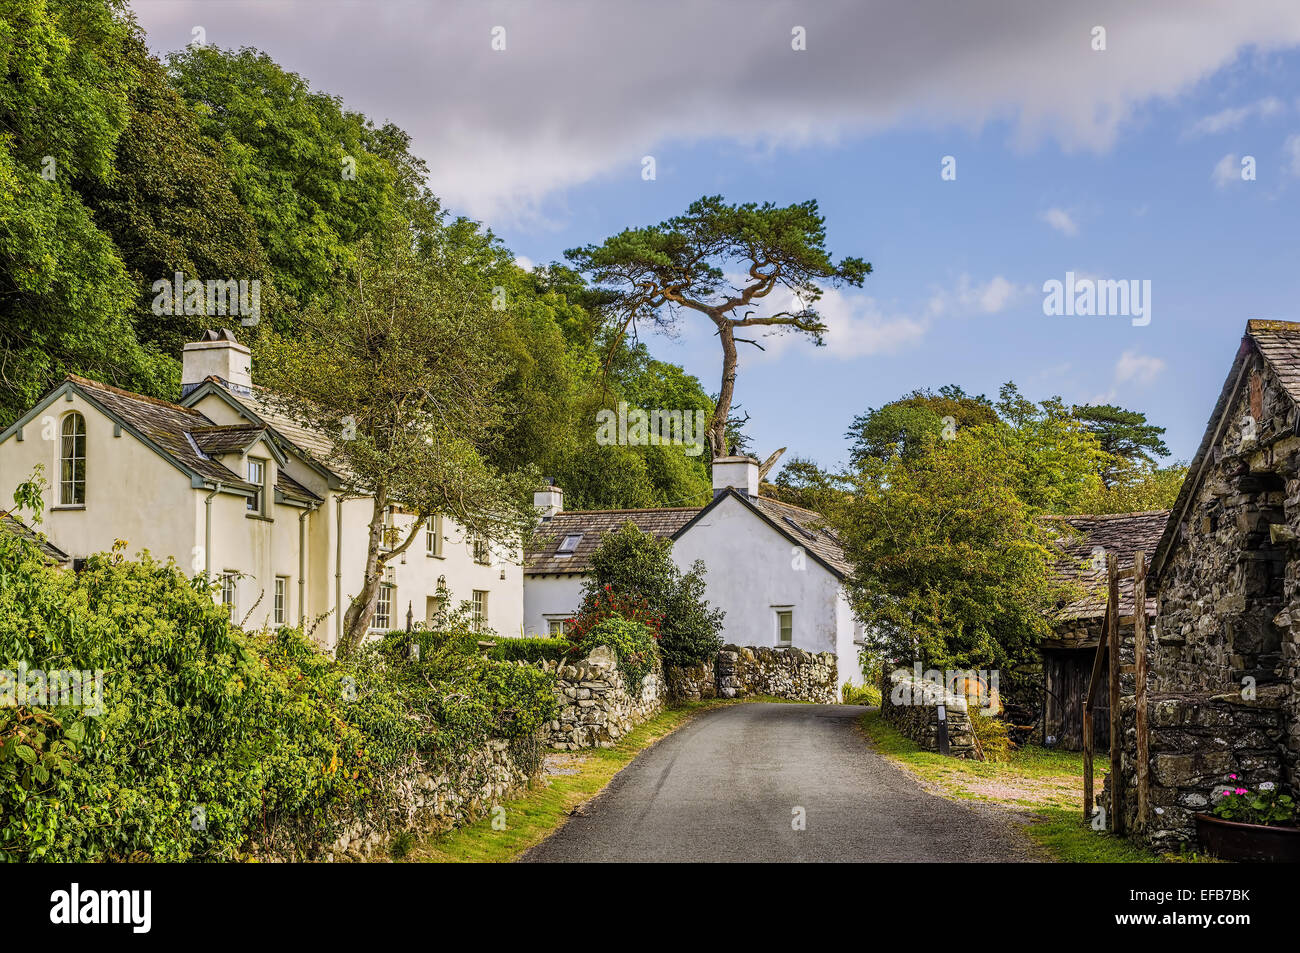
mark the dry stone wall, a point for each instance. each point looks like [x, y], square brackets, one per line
[912, 706]
[597, 706]
[416, 799]
[742, 671]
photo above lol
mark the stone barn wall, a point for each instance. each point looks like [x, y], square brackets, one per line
[1224, 659]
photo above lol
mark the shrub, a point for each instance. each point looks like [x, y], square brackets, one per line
[861, 694]
[992, 741]
[633, 643]
[638, 568]
[529, 650]
[209, 735]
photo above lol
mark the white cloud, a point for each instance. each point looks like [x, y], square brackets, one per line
[1136, 368]
[1291, 152]
[584, 90]
[1233, 117]
[524, 262]
[1061, 220]
[1226, 171]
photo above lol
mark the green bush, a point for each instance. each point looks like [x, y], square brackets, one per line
[861, 694]
[529, 650]
[638, 568]
[209, 735]
[633, 643]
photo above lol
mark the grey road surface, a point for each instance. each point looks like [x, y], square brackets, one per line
[732, 784]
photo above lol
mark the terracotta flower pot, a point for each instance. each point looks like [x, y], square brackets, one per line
[1233, 840]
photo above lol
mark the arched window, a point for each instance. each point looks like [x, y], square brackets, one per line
[72, 461]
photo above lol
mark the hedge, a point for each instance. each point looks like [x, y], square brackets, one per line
[209, 735]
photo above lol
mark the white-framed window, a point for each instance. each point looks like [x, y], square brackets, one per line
[281, 615]
[555, 628]
[257, 477]
[389, 538]
[72, 461]
[229, 582]
[433, 535]
[479, 610]
[569, 544]
[784, 625]
[482, 553]
[384, 607]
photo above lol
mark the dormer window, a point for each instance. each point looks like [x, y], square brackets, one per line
[257, 477]
[72, 461]
[569, 544]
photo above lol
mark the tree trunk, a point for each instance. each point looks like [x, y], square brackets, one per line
[721, 413]
[356, 622]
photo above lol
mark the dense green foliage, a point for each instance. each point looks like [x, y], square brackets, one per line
[638, 567]
[633, 642]
[249, 733]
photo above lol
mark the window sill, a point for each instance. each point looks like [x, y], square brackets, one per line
[68, 506]
[259, 516]
[435, 555]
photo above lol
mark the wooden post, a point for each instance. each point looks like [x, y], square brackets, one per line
[1140, 685]
[1089, 701]
[1116, 731]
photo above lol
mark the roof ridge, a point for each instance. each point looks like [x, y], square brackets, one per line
[645, 509]
[1271, 324]
[132, 395]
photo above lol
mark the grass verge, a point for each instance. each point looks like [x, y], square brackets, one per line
[534, 816]
[1044, 784]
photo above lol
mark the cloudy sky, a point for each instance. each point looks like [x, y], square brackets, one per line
[1131, 162]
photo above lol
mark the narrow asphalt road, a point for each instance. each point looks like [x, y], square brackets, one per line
[731, 784]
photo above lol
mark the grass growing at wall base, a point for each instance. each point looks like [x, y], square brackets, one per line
[1045, 784]
[532, 818]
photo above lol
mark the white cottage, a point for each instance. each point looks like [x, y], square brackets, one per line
[775, 569]
[224, 484]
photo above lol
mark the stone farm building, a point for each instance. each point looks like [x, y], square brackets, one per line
[223, 482]
[1067, 655]
[774, 568]
[1224, 655]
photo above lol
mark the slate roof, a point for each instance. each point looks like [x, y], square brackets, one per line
[811, 529]
[542, 558]
[235, 438]
[167, 426]
[801, 526]
[314, 443]
[16, 527]
[1123, 534]
[1278, 345]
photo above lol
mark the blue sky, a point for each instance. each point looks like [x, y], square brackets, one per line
[1120, 164]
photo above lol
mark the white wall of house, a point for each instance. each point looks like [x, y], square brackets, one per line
[550, 596]
[753, 572]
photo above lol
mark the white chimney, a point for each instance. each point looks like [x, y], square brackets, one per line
[217, 354]
[548, 498]
[737, 473]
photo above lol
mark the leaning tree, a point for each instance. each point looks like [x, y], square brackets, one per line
[722, 261]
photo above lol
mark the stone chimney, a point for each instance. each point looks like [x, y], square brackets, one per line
[737, 473]
[548, 498]
[217, 354]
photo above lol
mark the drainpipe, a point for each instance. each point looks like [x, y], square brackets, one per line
[302, 565]
[207, 532]
[338, 571]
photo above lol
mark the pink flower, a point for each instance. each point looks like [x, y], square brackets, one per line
[1232, 777]
[1241, 791]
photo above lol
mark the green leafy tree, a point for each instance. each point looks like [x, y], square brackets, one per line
[170, 207]
[684, 263]
[402, 376]
[902, 426]
[1052, 459]
[65, 295]
[802, 483]
[1125, 435]
[638, 567]
[951, 566]
[1135, 488]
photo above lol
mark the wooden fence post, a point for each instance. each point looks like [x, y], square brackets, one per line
[1116, 730]
[1140, 686]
